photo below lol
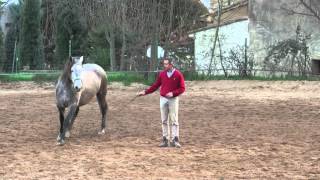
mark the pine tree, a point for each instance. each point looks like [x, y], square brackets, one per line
[2, 53]
[47, 24]
[69, 26]
[9, 45]
[12, 35]
[30, 35]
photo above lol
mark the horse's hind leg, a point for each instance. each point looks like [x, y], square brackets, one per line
[61, 118]
[101, 97]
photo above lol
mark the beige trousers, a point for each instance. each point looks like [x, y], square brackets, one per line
[169, 108]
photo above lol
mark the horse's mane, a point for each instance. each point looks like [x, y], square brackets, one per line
[66, 71]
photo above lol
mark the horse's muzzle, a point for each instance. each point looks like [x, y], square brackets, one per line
[77, 89]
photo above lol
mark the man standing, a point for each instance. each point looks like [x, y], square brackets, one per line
[172, 85]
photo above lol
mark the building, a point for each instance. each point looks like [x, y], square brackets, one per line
[5, 19]
[273, 33]
[233, 32]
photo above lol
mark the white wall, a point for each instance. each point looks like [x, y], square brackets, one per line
[4, 18]
[231, 35]
[206, 3]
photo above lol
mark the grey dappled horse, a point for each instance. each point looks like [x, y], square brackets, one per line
[77, 85]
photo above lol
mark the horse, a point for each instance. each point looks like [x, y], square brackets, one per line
[76, 86]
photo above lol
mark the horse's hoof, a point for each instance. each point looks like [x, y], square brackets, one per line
[102, 132]
[58, 138]
[67, 135]
[60, 143]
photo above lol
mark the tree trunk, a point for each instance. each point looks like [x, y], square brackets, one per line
[110, 36]
[170, 27]
[123, 61]
[245, 59]
[291, 73]
[154, 52]
[154, 43]
[215, 38]
[221, 59]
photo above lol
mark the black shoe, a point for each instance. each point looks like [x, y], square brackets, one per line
[164, 142]
[175, 142]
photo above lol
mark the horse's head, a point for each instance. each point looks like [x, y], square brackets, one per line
[76, 70]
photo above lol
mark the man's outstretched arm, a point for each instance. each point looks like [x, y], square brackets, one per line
[152, 88]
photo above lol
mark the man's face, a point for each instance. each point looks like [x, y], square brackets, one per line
[167, 65]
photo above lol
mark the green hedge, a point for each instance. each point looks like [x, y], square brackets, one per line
[127, 78]
[146, 78]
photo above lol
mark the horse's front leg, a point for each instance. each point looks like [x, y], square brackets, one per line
[61, 118]
[66, 123]
[68, 131]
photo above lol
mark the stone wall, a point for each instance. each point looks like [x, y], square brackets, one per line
[270, 24]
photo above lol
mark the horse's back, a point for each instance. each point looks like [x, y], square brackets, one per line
[95, 67]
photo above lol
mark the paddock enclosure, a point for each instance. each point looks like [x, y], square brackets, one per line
[228, 129]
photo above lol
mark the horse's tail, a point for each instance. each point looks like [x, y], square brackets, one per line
[103, 85]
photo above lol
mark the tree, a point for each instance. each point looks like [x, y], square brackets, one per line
[104, 15]
[12, 37]
[99, 48]
[2, 5]
[140, 23]
[9, 44]
[47, 26]
[290, 55]
[312, 7]
[124, 29]
[2, 52]
[186, 17]
[69, 27]
[30, 44]
[216, 36]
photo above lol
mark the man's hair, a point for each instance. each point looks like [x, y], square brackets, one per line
[168, 59]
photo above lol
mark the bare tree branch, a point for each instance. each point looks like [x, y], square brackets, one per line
[311, 7]
[313, 11]
[291, 12]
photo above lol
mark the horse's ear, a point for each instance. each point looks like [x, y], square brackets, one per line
[81, 60]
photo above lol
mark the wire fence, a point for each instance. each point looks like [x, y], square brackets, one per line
[148, 77]
[214, 72]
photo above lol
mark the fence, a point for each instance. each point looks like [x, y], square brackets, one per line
[147, 77]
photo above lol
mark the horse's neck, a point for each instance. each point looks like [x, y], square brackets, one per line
[65, 84]
[65, 81]
[66, 88]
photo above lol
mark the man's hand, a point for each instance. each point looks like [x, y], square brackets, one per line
[141, 93]
[169, 95]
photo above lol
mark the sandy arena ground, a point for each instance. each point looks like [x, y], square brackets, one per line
[229, 130]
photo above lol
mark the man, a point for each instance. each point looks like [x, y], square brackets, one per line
[172, 85]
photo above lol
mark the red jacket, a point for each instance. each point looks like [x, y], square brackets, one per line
[174, 84]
